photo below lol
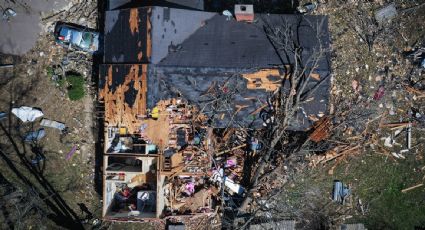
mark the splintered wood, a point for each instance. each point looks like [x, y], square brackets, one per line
[118, 111]
[322, 129]
[335, 153]
[260, 79]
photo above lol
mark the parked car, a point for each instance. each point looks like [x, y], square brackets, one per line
[78, 37]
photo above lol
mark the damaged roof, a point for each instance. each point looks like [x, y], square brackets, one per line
[122, 89]
[127, 36]
[202, 55]
[189, 38]
[230, 97]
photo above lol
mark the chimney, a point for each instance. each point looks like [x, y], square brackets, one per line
[244, 13]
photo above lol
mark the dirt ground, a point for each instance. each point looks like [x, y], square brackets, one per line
[30, 83]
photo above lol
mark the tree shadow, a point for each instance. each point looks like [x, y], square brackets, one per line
[63, 215]
[99, 130]
[13, 146]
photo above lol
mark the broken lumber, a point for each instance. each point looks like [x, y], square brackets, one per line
[322, 129]
[415, 91]
[229, 150]
[340, 154]
[392, 125]
[411, 188]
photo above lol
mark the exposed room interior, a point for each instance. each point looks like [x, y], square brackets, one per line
[130, 186]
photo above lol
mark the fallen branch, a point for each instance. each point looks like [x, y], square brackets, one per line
[410, 188]
[229, 150]
[415, 91]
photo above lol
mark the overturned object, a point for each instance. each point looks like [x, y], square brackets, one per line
[340, 192]
[229, 183]
[35, 135]
[53, 124]
[26, 113]
[322, 129]
[307, 8]
[2, 115]
[38, 159]
[8, 13]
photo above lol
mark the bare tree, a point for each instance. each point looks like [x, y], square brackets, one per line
[284, 108]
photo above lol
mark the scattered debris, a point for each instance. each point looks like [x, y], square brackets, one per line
[340, 192]
[270, 224]
[385, 14]
[322, 129]
[8, 13]
[229, 183]
[409, 135]
[307, 8]
[2, 66]
[379, 93]
[53, 124]
[228, 14]
[3, 115]
[26, 113]
[35, 135]
[352, 227]
[416, 55]
[71, 153]
[39, 158]
[356, 86]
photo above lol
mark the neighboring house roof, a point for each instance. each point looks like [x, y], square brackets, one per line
[126, 4]
[352, 227]
[281, 225]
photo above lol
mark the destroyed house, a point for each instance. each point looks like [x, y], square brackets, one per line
[172, 75]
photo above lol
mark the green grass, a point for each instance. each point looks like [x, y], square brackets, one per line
[75, 87]
[378, 182]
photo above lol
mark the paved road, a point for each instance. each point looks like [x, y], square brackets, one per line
[19, 35]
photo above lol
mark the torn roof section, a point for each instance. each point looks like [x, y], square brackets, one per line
[231, 97]
[171, 27]
[127, 36]
[123, 88]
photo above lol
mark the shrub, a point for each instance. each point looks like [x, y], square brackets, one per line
[75, 87]
[49, 71]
